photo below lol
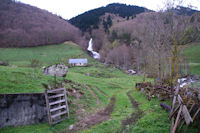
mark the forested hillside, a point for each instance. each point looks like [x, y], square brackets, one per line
[90, 19]
[129, 43]
[23, 25]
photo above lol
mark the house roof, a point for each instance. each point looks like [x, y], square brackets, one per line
[77, 61]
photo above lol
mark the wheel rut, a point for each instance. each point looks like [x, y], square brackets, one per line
[94, 95]
[99, 91]
[135, 116]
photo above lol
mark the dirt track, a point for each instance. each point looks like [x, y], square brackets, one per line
[95, 118]
[134, 116]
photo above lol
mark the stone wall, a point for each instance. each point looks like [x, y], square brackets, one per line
[22, 109]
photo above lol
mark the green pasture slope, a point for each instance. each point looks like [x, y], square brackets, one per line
[193, 54]
[20, 77]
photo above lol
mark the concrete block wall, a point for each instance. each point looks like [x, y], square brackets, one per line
[22, 109]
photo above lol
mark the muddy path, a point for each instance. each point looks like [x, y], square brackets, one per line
[135, 116]
[93, 94]
[95, 118]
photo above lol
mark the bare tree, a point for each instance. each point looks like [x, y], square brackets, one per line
[120, 56]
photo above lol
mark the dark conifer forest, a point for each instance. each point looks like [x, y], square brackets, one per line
[90, 19]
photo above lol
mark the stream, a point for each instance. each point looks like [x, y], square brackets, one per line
[94, 54]
[189, 81]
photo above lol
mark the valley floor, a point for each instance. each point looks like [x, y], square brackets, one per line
[104, 98]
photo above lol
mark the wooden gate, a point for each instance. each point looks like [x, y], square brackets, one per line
[57, 106]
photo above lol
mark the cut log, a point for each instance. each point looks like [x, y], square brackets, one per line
[165, 106]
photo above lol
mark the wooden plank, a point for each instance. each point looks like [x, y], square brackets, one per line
[177, 119]
[66, 103]
[180, 99]
[196, 114]
[173, 113]
[58, 108]
[57, 121]
[186, 129]
[55, 90]
[57, 102]
[174, 99]
[173, 105]
[172, 124]
[55, 96]
[183, 122]
[186, 115]
[191, 107]
[59, 114]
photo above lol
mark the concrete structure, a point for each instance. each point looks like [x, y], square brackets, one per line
[22, 109]
[78, 62]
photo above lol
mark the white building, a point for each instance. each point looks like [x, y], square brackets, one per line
[78, 62]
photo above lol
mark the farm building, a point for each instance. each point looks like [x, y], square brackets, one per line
[78, 62]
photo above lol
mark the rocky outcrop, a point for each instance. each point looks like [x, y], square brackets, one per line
[58, 69]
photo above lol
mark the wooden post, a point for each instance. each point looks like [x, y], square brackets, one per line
[48, 108]
[67, 107]
[173, 105]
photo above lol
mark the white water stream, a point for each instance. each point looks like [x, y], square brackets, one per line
[187, 81]
[95, 55]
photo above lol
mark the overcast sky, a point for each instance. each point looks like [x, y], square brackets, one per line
[71, 8]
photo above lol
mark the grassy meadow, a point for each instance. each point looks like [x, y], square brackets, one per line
[20, 77]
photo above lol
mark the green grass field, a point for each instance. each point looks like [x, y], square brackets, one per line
[20, 77]
[193, 54]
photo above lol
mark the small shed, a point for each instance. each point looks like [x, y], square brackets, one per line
[78, 62]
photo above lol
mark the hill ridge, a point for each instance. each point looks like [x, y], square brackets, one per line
[23, 25]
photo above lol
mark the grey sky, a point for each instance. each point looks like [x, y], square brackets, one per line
[70, 8]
